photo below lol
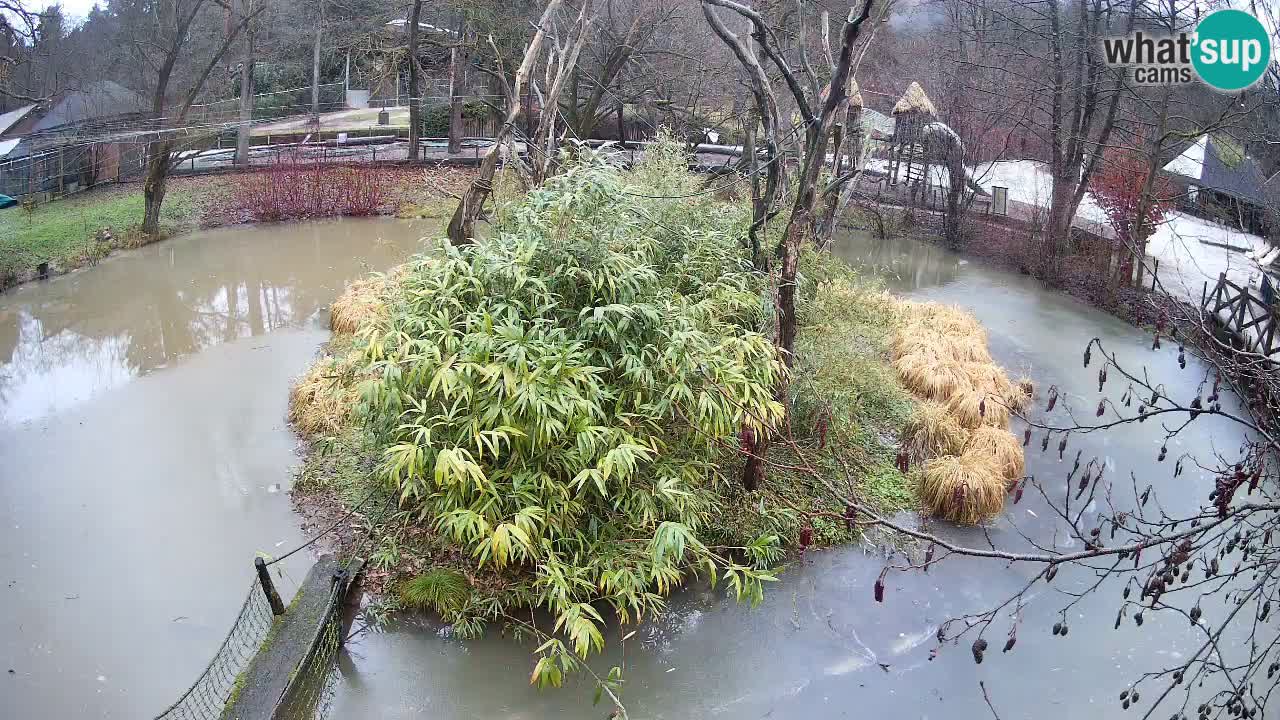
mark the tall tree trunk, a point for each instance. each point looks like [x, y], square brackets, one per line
[245, 130]
[758, 208]
[315, 66]
[153, 188]
[622, 125]
[544, 162]
[457, 80]
[415, 100]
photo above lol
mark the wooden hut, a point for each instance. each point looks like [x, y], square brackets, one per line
[907, 162]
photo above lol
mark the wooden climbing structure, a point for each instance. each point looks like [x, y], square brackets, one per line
[908, 162]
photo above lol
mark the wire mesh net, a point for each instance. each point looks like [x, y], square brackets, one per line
[207, 697]
[310, 693]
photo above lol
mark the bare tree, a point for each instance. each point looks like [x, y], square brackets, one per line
[415, 94]
[616, 42]
[315, 65]
[169, 43]
[817, 105]
[20, 31]
[243, 9]
[462, 224]
[561, 62]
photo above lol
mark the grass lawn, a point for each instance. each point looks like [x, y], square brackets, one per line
[62, 232]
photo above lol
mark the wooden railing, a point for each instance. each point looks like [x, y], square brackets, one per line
[1250, 318]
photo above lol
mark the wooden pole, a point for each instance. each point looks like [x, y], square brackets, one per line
[315, 67]
[268, 587]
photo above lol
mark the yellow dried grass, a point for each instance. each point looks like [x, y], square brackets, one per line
[973, 408]
[1001, 446]
[930, 377]
[931, 432]
[321, 401]
[914, 338]
[992, 379]
[940, 354]
[362, 303]
[966, 488]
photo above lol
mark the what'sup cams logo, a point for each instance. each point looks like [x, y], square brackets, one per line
[1229, 51]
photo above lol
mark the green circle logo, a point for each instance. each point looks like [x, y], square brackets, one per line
[1232, 50]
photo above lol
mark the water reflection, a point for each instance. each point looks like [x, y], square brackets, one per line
[67, 340]
[904, 264]
[133, 499]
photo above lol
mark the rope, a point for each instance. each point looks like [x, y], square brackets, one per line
[330, 529]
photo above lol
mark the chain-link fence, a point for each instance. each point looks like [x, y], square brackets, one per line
[207, 697]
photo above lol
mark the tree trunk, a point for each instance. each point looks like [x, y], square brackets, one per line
[315, 67]
[545, 162]
[1056, 238]
[758, 208]
[246, 96]
[757, 449]
[457, 78]
[153, 188]
[462, 224]
[415, 102]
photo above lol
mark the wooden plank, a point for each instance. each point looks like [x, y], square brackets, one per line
[1256, 318]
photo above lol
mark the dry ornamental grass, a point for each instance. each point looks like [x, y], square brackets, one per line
[961, 431]
[360, 305]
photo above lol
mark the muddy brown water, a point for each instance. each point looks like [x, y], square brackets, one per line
[145, 457]
[143, 437]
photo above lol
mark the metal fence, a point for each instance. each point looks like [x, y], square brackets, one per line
[207, 697]
[311, 691]
[68, 169]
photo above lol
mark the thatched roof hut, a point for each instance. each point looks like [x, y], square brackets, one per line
[855, 93]
[915, 101]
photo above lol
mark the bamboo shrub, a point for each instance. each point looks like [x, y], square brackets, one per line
[554, 398]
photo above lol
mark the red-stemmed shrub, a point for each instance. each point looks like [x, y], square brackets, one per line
[294, 189]
[1117, 188]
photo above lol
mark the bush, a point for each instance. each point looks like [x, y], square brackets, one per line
[435, 120]
[297, 189]
[556, 398]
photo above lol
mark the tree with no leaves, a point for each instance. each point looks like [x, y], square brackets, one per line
[169, 44]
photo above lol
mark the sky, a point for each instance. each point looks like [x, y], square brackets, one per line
[77, 9]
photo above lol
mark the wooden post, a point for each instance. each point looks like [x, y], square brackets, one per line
[1155, 271]
[268, 587]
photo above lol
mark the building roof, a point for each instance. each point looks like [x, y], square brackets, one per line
[96, 100]
[914, 100]
[404, 22]
[1215, 165]
[1271, 191]
[7, 146]
[855, 94]
[877, 125]
[12, 117]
